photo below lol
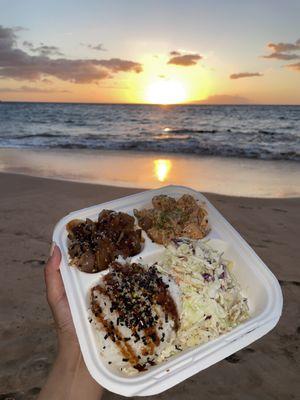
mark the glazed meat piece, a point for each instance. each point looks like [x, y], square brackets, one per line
[170, 218]
[94, 245]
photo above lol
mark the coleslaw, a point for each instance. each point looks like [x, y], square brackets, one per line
[211, 300]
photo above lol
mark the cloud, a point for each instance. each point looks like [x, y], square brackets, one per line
[48, 81]
[244, 75]
[19, 64]
[28, 44]
[279, 51]
[28, 89]
[282, 56]
[223, 99]
[284, 47]
[184, 60]
[294, 67]
[43, 50]
[98, 47]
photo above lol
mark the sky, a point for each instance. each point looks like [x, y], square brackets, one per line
[144, 51]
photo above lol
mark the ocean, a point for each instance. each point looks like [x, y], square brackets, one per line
[246, 131]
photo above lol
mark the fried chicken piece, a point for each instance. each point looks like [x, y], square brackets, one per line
[163, 202]
[171, 219]
[193, 231]
[161, 236]
[187, 203]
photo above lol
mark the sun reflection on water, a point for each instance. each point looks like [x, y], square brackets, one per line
[162, 169]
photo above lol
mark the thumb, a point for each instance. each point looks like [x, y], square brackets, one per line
[54, 284]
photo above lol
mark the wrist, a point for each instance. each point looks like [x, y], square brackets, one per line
[80, 383]
[67, 342]
[68, 353]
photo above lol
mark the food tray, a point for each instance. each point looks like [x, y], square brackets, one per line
[257, 282]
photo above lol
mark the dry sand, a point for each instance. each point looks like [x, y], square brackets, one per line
[29, 208]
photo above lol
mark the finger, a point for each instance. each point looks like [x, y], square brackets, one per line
[54, 283]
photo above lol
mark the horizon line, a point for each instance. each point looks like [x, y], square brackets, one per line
[151, 104]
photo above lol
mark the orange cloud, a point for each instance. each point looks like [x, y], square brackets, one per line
[294, 67]
[244, 75]
[184, 60]
[223, 99]
[28, 89]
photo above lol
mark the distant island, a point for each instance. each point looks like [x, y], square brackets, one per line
[222, 99]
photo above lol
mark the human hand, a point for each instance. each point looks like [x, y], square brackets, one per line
[57, 298]
[69, 378]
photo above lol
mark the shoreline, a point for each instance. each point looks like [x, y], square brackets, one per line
[221, 175]
[29, 209]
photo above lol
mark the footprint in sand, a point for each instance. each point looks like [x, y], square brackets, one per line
[34, 263]
[37, 368]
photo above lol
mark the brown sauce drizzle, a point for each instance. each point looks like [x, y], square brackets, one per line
[114, 333]
[134, 292]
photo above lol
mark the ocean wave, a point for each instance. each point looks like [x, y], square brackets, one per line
[191, 131]
[36, 136]
[264, 132]
[224, 151]
[175, 146]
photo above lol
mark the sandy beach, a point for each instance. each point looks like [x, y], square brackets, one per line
[29, 209]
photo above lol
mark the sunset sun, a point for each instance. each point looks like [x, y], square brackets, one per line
[166, 92]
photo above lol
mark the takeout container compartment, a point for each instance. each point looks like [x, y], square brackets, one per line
[257, 282]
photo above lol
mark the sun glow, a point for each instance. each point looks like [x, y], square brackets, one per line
[166, 92]
[162, 169]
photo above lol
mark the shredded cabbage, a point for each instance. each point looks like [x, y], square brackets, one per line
[211, 300]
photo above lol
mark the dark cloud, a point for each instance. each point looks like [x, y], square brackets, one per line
[48, 51]
[282, 56]
[118, 65]
[18, 64]
[98, 47]
[284, 47]
[282, 51]
[43, 50]
[244, 75]
[28, 89]
[28, 44]
[223, 99]
[184, 60]
[294, 67]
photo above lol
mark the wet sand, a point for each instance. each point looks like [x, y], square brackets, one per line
[131, 169]
[29, 209]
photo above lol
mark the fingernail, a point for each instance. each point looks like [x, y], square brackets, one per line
[53, 244]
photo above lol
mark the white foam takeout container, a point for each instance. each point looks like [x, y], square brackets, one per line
[257, 282]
